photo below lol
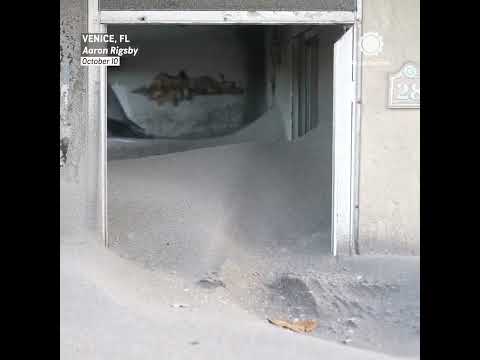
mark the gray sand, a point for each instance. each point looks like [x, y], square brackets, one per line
[245, 229]
[112, 308]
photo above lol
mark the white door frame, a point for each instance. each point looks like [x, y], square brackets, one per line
[97, 120]
[97, 86]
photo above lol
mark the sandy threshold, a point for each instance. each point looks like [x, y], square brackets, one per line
[248, 226]
[112, 308]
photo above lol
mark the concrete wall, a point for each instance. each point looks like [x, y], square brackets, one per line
[390, 143]
[265, 129]
[76, 207]
[79, 168]
[236, 52]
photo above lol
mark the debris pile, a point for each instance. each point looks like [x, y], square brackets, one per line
[300, 326]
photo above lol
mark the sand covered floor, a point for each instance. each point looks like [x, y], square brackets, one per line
[201, 206]
[113, 308]
[246, 227]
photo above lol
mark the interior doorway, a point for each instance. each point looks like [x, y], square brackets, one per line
[222, 137]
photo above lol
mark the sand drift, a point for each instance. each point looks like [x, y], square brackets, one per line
[197, 206]
[249, 225]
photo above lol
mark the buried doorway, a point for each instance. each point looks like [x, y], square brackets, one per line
[220, 143]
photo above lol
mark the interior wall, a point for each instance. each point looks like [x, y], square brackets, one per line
[266, 129]
[273, 92]
[203, 52]
[282, 99]
[390, 138]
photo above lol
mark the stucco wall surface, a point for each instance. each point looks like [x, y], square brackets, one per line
[78, 138]
[390, 138]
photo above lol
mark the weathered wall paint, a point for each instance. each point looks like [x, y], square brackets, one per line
[200, 51]
[75, 194]
[340, 5]
[390, 138]
[71, 14]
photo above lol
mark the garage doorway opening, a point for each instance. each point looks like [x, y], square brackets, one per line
[221, 141]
